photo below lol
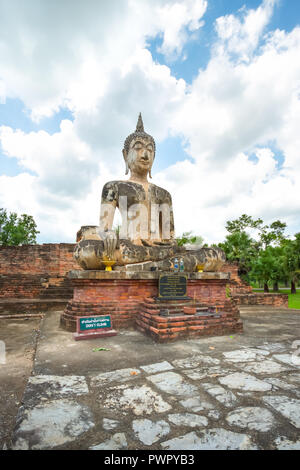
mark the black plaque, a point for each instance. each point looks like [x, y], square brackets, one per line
[172, 286]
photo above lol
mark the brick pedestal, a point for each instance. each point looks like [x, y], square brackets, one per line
[130, 300]
[208, 321]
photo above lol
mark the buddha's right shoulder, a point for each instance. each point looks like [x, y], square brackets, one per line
[110, 190]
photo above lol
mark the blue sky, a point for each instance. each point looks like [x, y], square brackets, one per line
[206, 77]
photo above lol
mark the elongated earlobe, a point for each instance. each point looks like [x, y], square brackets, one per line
[126, 162]
[150, 176]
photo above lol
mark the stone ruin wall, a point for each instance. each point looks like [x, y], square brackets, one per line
[39, 271]
[27, 270]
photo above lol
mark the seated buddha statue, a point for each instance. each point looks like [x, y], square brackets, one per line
[146, 234]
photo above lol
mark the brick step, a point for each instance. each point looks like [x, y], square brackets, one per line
[173, 306]
[27, 306]
[191, 331]
[166, 322]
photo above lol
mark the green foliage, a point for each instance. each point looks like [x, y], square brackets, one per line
[117, 229]
[268, 265]
[228, 291]
[187, 237]
[270, 258]
[291, 263]
[243, 222]
[267, 234]
[16, 230]
[239, 247]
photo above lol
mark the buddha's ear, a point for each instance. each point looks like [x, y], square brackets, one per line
[126, 161]
[150, 176]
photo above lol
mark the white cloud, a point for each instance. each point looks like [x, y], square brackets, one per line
[96, 63]
[68, 54]
[241, 36]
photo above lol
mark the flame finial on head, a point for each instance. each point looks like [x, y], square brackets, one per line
[140, 124]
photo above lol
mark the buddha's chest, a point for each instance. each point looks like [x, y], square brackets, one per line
[132, 193]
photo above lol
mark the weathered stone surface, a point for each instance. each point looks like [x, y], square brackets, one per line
[225, 397]
[288, 407]
[52, 424]
[242, 381]
[213, 439]
[282, 443]
[158, 367]
[121, 375]
[289, 359]
[273, 347]
[143, 275]
[141, 400]
[203, 372]
[214, 414]
[148, 431]
[294, 378]
[195, 361]
[188, 419]
[109, 424]
[55, 386]
[245, 355]
[264, 367]
[254, 418]
[170, 382]
[280, 384]
[196, 404]
[116, 442]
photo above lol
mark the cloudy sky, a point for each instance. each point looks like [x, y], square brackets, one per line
[218, 85]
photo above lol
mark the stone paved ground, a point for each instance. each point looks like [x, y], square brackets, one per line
[229, 392]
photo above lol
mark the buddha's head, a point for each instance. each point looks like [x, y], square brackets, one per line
[139, 150]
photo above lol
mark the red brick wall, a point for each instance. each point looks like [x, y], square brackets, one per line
[237, 285]
[257, 298]
[26, 271]
[54, 259]
[123, 298]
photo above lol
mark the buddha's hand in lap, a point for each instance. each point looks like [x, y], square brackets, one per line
[110, 241]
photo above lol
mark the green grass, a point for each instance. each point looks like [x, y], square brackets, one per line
[294, 299]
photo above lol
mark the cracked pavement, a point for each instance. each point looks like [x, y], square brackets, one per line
[227, 392]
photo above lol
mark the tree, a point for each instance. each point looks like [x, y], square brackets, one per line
[240, 247]
[273, 233]
[16, 230]
[268, 266]
[187, 237]
[292, 261]
[267, 234]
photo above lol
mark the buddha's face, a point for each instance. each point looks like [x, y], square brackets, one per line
[140, 156]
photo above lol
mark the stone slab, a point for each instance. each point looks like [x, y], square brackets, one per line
[245, 382]
[252, 418]
[51, 424]
[158, 367]
[140, 400]
[173, 383]
[225, 397]
[213, 439]
[114, 275]
[148, 431]
[188, 419]
[116, 442]
[288, 407]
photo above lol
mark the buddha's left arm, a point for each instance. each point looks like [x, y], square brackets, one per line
[108, 206]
